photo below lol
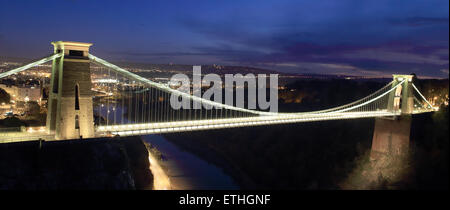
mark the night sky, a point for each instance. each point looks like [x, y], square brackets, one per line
[371, 38]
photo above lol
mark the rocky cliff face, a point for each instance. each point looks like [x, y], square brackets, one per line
[117, 163]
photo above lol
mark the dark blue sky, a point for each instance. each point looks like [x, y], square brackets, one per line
[335, 37]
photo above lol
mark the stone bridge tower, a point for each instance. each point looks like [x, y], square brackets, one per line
[70, 108]
[391, 135]
[402, 99]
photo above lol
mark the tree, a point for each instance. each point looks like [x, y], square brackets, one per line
[33, 108]
[4, 96]
[12, 122]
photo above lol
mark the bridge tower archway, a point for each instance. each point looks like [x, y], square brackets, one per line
[71, 117]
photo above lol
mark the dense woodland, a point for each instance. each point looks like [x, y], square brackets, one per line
[329, 154]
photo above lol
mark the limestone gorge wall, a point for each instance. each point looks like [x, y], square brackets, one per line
[117, 163]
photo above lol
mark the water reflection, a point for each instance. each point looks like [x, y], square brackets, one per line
[185, 170]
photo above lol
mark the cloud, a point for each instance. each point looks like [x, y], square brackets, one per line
[157, 54]
[368, 43]
[387, 55]
[420, 21]
[351, 36]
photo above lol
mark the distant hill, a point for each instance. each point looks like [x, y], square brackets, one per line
[166, 70]
[206, 69]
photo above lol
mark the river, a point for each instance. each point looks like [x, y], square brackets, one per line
[185, 170]
[188, 171]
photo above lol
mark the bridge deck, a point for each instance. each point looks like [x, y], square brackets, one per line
[182, 126]
[34, 133]
[31, 134]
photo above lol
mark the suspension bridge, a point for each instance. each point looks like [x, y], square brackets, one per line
[91, 97]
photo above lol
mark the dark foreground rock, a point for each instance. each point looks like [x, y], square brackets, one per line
[103, 163]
